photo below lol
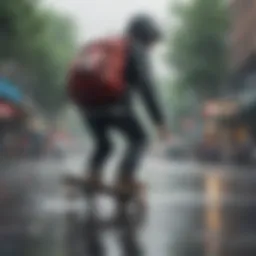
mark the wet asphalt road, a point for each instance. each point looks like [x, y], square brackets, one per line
[175, 218]
[188, 203]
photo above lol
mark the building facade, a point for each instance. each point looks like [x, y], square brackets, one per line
[238, 216]
[242, 34]
[243, 48]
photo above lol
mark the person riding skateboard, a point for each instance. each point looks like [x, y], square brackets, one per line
[141, 34]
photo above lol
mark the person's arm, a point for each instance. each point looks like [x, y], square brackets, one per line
[145, 85]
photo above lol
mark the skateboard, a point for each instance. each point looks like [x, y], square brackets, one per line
[134, 201]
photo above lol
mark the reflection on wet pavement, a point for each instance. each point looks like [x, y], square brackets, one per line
[88, 236]
[193, 210]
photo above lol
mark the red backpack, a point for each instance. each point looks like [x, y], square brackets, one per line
[97, 74]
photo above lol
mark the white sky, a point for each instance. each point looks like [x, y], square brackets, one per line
[98, 17]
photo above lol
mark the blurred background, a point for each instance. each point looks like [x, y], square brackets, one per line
[201, 182]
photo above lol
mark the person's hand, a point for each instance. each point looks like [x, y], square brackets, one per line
[163, 132]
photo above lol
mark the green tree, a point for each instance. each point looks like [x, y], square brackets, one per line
[198, 47]
[51, 60]
[21, 29]
[38, 43]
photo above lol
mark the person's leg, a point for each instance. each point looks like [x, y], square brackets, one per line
[136, 138]
[102, 146]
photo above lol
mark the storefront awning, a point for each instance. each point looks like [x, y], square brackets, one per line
[220, 108]
[10, 92]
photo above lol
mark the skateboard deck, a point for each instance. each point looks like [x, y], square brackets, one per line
[103, 188]
[134, 199]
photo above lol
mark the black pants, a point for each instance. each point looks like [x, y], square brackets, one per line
[125, 122]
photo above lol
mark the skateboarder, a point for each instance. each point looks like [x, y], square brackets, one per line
[141, 34]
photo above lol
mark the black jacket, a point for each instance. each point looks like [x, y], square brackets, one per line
[139, 79]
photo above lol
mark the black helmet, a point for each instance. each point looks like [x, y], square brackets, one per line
[144, 28]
